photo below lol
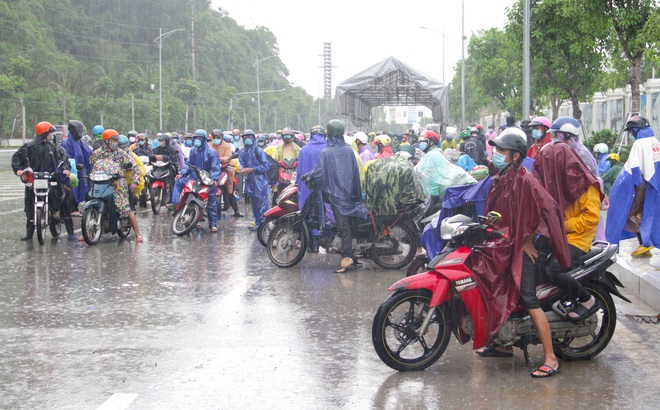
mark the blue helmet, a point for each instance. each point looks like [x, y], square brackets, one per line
[123, 142]
[97, 130]
[201, 133]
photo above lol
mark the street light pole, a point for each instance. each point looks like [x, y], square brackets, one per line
[443, 47]
[159, 40]
[462, 64]
[258, 93]
[231, 102]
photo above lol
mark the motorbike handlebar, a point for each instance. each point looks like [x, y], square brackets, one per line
[495, 233]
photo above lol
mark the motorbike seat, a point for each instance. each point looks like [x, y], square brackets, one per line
[594, 251]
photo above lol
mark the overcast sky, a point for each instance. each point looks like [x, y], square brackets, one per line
[363, 33]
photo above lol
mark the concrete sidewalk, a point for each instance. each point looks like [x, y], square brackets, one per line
[640, 276]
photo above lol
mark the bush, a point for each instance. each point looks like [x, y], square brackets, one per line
[604, 136]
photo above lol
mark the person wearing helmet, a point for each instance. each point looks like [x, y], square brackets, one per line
[568, 130]
[132, 136]
[528, 214]
[635, 195]
[364, 150]
[166, 152]
[337, 176]
[237, 138]
[225, 152]
[205, 158]
[540, 135]
[307, 160]
[110, 159]
[405, 145]
[141, 147]
[383, 146]
[287, 149]
[262, 141]
[254, 166]
[174, 142]
[97, 132]
[80, 152]
[124, 143]
[473, 147]
[602, 151]
[615, 167]
[436, 172]
[40, 155]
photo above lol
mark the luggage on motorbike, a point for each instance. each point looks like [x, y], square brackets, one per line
[390, 184]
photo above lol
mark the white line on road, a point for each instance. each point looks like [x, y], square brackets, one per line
[118, 401]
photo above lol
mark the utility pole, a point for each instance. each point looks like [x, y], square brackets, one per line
[192, 45]
[526, 63]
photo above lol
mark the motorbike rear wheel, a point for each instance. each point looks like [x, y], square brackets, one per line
[583, 348]
[91, 225]
[123, 228]
[156, 199]
[185, 219]
[264, 230]
[395, 326]
[286, 245]
[400, 247]
[41, 225]
[55, 227]
[143, 198]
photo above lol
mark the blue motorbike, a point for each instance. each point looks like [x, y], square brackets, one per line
[100, 214]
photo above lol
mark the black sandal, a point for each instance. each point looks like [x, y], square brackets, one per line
[546, 371]
[492, 351]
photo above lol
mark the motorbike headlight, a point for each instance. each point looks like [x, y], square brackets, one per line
[453, 226]
[206, 179]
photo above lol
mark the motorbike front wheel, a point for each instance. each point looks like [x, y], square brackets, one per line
[396, 249]
[91, 225]
[264, 230]
[185, 219]
[123, 228]
[55, 227]
[583, 348]
[395, 327]
[41, 225]
[286, 245]
[156, 199]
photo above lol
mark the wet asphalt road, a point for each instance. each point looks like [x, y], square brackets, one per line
[207, 322]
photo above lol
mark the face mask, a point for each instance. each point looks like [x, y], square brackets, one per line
[498, 160]
[537, 134]
[248, 142]
[189, 143]
[198, 143]
[141, 142]
[162, 143]
[113, 145]
[261, 144]
[217, 141]
[237, 137]
[286, 138]
[423, 146]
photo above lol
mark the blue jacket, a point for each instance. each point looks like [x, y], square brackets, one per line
[307, 159]
[205, 158]
[79, 151]
[256, 183]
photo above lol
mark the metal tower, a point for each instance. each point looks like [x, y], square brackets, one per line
[327, 71]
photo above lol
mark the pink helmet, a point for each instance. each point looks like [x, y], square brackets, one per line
[541, 121]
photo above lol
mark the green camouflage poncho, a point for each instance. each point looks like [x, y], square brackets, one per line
[390, 184]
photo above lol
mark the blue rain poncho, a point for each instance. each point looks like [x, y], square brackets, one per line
[309, 156]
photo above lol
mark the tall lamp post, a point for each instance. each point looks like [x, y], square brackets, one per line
[258, 92]
[230, 123]
[159, 40]
[462, 64]
[443, 47]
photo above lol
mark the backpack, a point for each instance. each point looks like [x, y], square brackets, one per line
[474, 149]
[273, 173]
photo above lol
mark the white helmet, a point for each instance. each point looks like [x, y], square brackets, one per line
[361, 136]
[567, 125]
[601, 148]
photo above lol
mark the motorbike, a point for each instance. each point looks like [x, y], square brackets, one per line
[390, 241]
[286, 203]
[160, 186]
[100, 214]
[144, 194]
[222, 193]
[40, 183]
[192, 203]
[411, 329]
[287, 175]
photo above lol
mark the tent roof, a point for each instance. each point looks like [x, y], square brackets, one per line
[390, 82]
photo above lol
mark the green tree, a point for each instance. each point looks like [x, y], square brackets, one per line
[133, 83]
[105, 85]
[187, 91]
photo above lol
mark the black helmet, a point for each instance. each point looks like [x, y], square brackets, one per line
[248, 132]
[77, 128]
[335, 128]
[216, 133]
[317, 129]
[636, 121]
[511, 138]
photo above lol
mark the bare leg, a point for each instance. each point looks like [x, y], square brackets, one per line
[134, 225]
[543, 329]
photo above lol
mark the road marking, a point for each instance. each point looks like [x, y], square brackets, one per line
[118, 401]
[242, 287]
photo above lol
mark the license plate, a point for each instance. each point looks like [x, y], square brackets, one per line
[41, 184]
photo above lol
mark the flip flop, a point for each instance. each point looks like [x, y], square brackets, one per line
[546, 371]
[491, 351]
[582, 312]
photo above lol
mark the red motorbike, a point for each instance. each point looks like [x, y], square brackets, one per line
[222, 193]
[412, 327]
[287, 176]
[286, 203]
[190, 209]
[160, 188]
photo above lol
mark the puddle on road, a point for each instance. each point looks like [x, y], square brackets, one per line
[645, 319]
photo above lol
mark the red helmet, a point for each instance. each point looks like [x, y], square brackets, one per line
[44, 127]
[429, 135]
[110, 133]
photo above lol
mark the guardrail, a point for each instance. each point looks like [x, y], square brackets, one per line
[5, 159]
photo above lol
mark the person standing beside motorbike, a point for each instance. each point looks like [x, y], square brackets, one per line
[309, 156]
[80, 152]
[254, 166]
[40, 155]
[112, 160]
[337, 176]
[507, 269]
[203, 157]
[167, 153]
[225, 152]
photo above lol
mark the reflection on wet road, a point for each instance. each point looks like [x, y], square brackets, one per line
[206, 321]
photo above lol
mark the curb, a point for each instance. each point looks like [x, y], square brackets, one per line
[643, 284]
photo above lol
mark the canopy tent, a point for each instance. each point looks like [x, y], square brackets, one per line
[390, 82]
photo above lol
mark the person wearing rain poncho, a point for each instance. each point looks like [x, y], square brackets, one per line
[254, 166]
[435, 171]
[635, 196]
[338, 178]
[309, 156]
[391, 184]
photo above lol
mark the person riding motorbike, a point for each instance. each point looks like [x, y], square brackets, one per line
[135, 188]
[507, 268]
[383, 145]
[568, 130]
[288, 151]
[97, 132]
[141, 147]
[110, 159]
[225, 153]
[203, 157]
[132, 136]
[167, 153]
[254, 166]
[41, 155]
[364, 150]
[540, 134]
